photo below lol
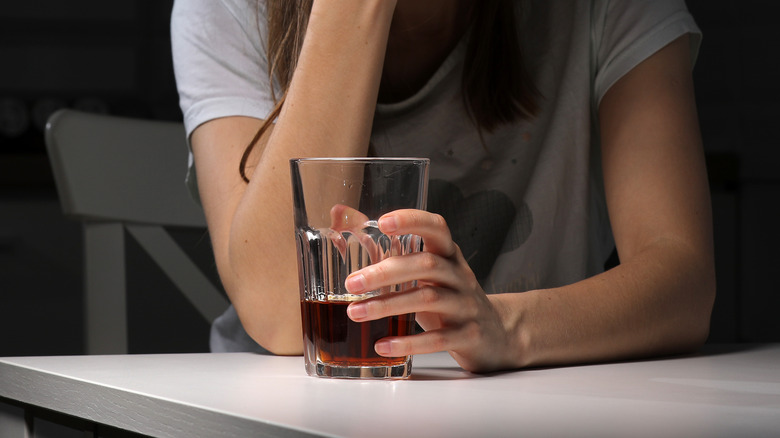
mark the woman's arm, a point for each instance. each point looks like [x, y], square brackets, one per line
[328, 112]
[659, 206]
[657, 301]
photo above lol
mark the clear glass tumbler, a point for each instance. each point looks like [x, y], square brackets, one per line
[337, 202]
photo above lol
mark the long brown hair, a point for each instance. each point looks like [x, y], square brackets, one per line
[495, 86]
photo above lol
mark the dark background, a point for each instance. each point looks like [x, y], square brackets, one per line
[114, 57]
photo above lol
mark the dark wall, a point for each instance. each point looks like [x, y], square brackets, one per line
[738, 95]
[114, 57]
[103, 56]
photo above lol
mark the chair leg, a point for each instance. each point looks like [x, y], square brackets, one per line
[16, 421]
[104, 286]
[187, 277]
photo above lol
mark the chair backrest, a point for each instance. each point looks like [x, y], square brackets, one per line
[115, 175]
[115, 168]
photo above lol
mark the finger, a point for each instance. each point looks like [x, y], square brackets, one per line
[430, 226]
[345, 218]
[338, 241]
[445, 339]
[424, 299]
[422, 266]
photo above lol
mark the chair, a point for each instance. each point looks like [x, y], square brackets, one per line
[116, 174]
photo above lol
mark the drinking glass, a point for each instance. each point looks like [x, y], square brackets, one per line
[337, 202]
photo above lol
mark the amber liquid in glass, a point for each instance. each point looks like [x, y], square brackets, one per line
[339, 341]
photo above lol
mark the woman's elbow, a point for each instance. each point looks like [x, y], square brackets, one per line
[696, 328]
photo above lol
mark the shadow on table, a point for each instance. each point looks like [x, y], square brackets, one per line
[442, 373]
[720, 349]
[454, 373]
[707, 350]
[457, 373]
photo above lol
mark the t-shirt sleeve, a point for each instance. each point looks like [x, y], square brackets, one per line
[220, 64]
[219, 60]
[626, 32]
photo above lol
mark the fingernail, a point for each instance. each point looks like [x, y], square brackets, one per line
[388, 224]
[356, 311]
[382, 348]
[355, 283]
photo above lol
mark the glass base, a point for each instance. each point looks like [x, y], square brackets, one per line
[400, 371]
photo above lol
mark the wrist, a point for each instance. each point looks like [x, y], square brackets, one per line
[512, 310]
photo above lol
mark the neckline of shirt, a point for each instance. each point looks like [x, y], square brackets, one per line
[455, 56]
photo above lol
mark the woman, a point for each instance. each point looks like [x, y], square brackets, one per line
[552, 126]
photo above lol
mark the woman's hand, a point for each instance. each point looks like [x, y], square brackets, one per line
[451, 307]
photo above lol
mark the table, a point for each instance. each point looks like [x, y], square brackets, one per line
[721, 391]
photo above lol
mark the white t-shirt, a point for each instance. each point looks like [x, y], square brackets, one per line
[528, 209]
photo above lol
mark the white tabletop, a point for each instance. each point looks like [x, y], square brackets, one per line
[726, 391]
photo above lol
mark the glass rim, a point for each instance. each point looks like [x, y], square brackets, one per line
[360, 160]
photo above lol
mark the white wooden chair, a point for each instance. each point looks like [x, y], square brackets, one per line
[116, 174]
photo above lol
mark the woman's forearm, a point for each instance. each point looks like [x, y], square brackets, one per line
[659, 299]
[658, 302]
[328, 111]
